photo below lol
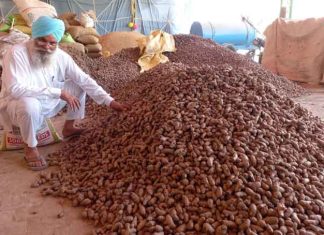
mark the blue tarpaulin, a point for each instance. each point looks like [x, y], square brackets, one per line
[114, 15]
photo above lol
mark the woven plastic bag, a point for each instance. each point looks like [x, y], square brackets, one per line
[12, 140]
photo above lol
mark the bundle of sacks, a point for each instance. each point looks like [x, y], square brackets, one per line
[15, 21]
[83, 32]
[8, 39]
[31, 10]
[116, 41]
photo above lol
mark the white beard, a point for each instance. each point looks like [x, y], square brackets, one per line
[40, 57]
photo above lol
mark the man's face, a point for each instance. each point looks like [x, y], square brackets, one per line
[46, 44]
[42, 50]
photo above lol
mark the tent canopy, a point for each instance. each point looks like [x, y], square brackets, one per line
[114, 15]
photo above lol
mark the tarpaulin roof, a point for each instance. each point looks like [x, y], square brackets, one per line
[114, 15]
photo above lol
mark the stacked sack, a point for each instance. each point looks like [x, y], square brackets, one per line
[68, 19]
[15, 21]
[116, 41]
[19, 23]
[88, 36]
[31, 10]
[8, 39]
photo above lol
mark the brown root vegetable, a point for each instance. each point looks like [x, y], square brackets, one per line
[212, 144]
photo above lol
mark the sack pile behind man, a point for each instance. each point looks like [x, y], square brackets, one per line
[114, 42]
[88, 36]
[31, 10]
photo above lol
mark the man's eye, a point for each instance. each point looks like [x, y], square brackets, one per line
[44, 42]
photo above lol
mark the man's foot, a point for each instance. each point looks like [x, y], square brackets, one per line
[34, 160]
[71, 132]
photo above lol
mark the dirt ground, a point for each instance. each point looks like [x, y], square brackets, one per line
[23, 211]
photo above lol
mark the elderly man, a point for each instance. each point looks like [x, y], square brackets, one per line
[38, 80]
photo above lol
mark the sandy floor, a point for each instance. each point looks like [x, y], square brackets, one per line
[315, 101]
[23, 211]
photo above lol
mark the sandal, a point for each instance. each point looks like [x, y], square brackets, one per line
[31, 162]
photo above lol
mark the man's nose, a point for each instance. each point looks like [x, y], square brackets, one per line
[47, 46]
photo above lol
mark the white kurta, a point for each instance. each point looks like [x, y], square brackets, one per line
[29, 94]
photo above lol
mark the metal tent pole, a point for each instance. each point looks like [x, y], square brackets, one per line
[290, 8]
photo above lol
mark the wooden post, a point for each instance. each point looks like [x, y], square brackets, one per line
[283, 12]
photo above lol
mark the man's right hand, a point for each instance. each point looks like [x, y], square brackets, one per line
[71, 100]
[119, 106]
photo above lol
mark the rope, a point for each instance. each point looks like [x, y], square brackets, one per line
[6, 16]
[104, 29]
[138, 19]
[69, 6]
[117, 19]
[94, 6]
[103, 11]
[95, 11]
[133, 10]
[167, 21]
[79, 5]
[133, 13]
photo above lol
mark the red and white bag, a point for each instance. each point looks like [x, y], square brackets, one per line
[45, 135]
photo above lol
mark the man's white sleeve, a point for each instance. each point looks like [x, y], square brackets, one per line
[90, 86]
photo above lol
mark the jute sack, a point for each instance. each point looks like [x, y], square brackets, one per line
[31, 10]
[116, 41]
[73, 22]
[69, 19]
[88, 39]
[24, 29]
[90, 31]
[66, 25]
[3, 34]
[87, 19]
[93, 47]
[8, 40]
[13, 140]
[94, 54]
[67, 16]
[156, 43]
[77, 31]
[16, 19]
[75, 45]
[295, 49]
